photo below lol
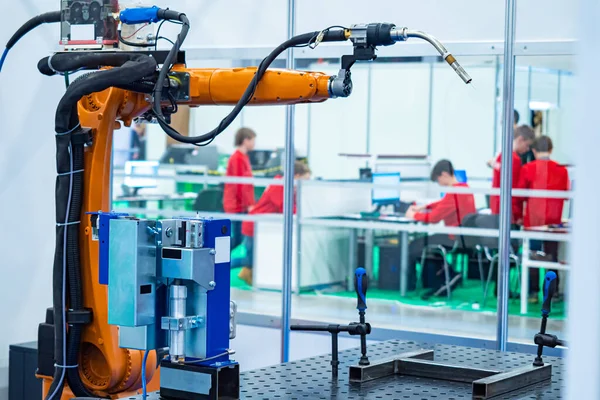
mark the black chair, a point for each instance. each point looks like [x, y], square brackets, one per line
[457, 249]
[487, 246]
[209, 200]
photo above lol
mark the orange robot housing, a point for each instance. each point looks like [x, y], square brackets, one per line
[104, 367]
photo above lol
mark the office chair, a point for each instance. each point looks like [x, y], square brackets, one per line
[443, 252]
[486, 246]
[210, 199]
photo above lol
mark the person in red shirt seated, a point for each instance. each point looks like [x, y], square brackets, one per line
[238, 198]
[451, 209]
[271, 202]
[541, 174]
[522, 141]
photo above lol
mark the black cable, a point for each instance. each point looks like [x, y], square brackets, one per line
[163, 75]
[129, 68]
[46, 18]
[304, 39]
[162, 37]
[132, 44]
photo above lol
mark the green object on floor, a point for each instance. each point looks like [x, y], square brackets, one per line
[238, 252]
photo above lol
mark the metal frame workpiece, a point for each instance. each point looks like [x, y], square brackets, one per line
[312, 379]
[486, 382]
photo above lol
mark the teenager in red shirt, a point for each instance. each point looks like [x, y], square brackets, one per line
[542, 174]
[451, 209]
[523, 138]
[239, 198]
[271, 202]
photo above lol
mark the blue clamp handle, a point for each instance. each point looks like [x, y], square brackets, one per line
[549, 290]
[132, 16]
[361, 283]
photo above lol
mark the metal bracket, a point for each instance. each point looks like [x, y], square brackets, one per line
[181, 324]
[486, 383]
[181, 89]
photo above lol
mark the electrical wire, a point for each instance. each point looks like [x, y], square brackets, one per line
[162, 37]
[132, 44]
[228, 352]
[3, 58]
[46, 18]
[139, 29]
[144, 388]
[304, 39]
[67, 83]
[64, 280]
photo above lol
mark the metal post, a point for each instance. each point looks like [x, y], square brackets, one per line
[506, 176]
[288, 203]
[298, 254]
[583, 363]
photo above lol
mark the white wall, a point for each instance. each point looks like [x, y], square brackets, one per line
[27, 174]
[28, 100]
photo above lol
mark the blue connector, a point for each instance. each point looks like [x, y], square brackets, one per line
[132, 16]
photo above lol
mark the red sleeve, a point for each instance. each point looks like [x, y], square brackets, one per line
[433, 205]
[519, 201]
[517, 205]
[247, 195]
[567, 182]
[276, 198]
[439, 210]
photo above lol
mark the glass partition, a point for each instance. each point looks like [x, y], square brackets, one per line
[404, 116]
[545, 101]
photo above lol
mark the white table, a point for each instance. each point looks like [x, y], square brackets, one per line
[527, 263]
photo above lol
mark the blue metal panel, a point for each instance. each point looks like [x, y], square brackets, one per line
[103, 236]
[217, 316]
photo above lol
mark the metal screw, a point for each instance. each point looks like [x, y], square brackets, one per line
[212, 252]
[212, 284]
[169, 232]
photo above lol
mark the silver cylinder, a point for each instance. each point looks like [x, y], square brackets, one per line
[506, 177]
[177, 306]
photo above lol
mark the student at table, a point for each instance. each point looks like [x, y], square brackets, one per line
[271, 202]
[523, 138]
[239, 198]
[541, 174]
[451, 209]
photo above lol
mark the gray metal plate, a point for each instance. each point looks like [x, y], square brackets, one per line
[311, 378]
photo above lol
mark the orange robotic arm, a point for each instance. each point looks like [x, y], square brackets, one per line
[130, 90]
[105, 368]
[226, 86]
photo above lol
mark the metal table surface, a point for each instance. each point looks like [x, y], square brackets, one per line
[311, 378]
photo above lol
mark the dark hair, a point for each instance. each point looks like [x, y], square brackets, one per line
[525, 132]
[542, 144]
[301, 168]
[517, 117]
[440, 167]
[243, 134]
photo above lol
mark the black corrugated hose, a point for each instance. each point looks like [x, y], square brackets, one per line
[129, 68]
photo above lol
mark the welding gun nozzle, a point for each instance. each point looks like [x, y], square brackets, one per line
[458, 69]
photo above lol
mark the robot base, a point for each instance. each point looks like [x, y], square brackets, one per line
[198, 382]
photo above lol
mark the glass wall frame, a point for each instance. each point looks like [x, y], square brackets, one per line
[484, 55]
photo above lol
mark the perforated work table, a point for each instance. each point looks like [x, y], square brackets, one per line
[311, 378]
